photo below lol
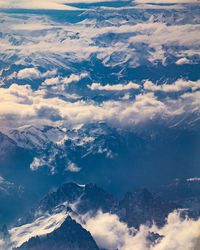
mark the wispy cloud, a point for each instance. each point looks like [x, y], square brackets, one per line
[165, 1]
[116, 87]
[36, 4]
[45, 4]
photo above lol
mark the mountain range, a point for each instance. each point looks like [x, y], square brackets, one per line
[61, 218]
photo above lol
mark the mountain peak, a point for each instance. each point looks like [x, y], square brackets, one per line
[69, 236]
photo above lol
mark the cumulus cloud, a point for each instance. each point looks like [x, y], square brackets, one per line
[116, 87]
[32, 73]
[36, 163]
[179, 85]
[64, 81]
[51, 81]
[110, 233]
[20, 105]
[178, 233]
[44, 160]
[74, 78]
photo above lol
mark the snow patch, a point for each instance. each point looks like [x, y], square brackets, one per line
[41, 226]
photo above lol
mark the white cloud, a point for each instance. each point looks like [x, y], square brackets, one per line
[64, 80]
[179, 85]
[32, 26]
[31, 73]
[51, 81]
[44, 4]
[110, 233]
[36, 4]
[49, 73]
[88, 1]
[178, 234]
[126, 96]
[74, 78]
[37, 163]
[116, 87]
[20, 105]
[72, 167]
[44, 161]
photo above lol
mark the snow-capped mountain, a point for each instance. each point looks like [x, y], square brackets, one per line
[105, 92]
[70, 235]
[70, 210]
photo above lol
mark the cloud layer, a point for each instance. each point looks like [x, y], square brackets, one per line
[110, 233]
[20, 105]
[35, 4]
[43, 40]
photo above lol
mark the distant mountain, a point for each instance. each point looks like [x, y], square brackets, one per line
[143, 207]
[180, 188]
[184, 193]
[7, 145]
